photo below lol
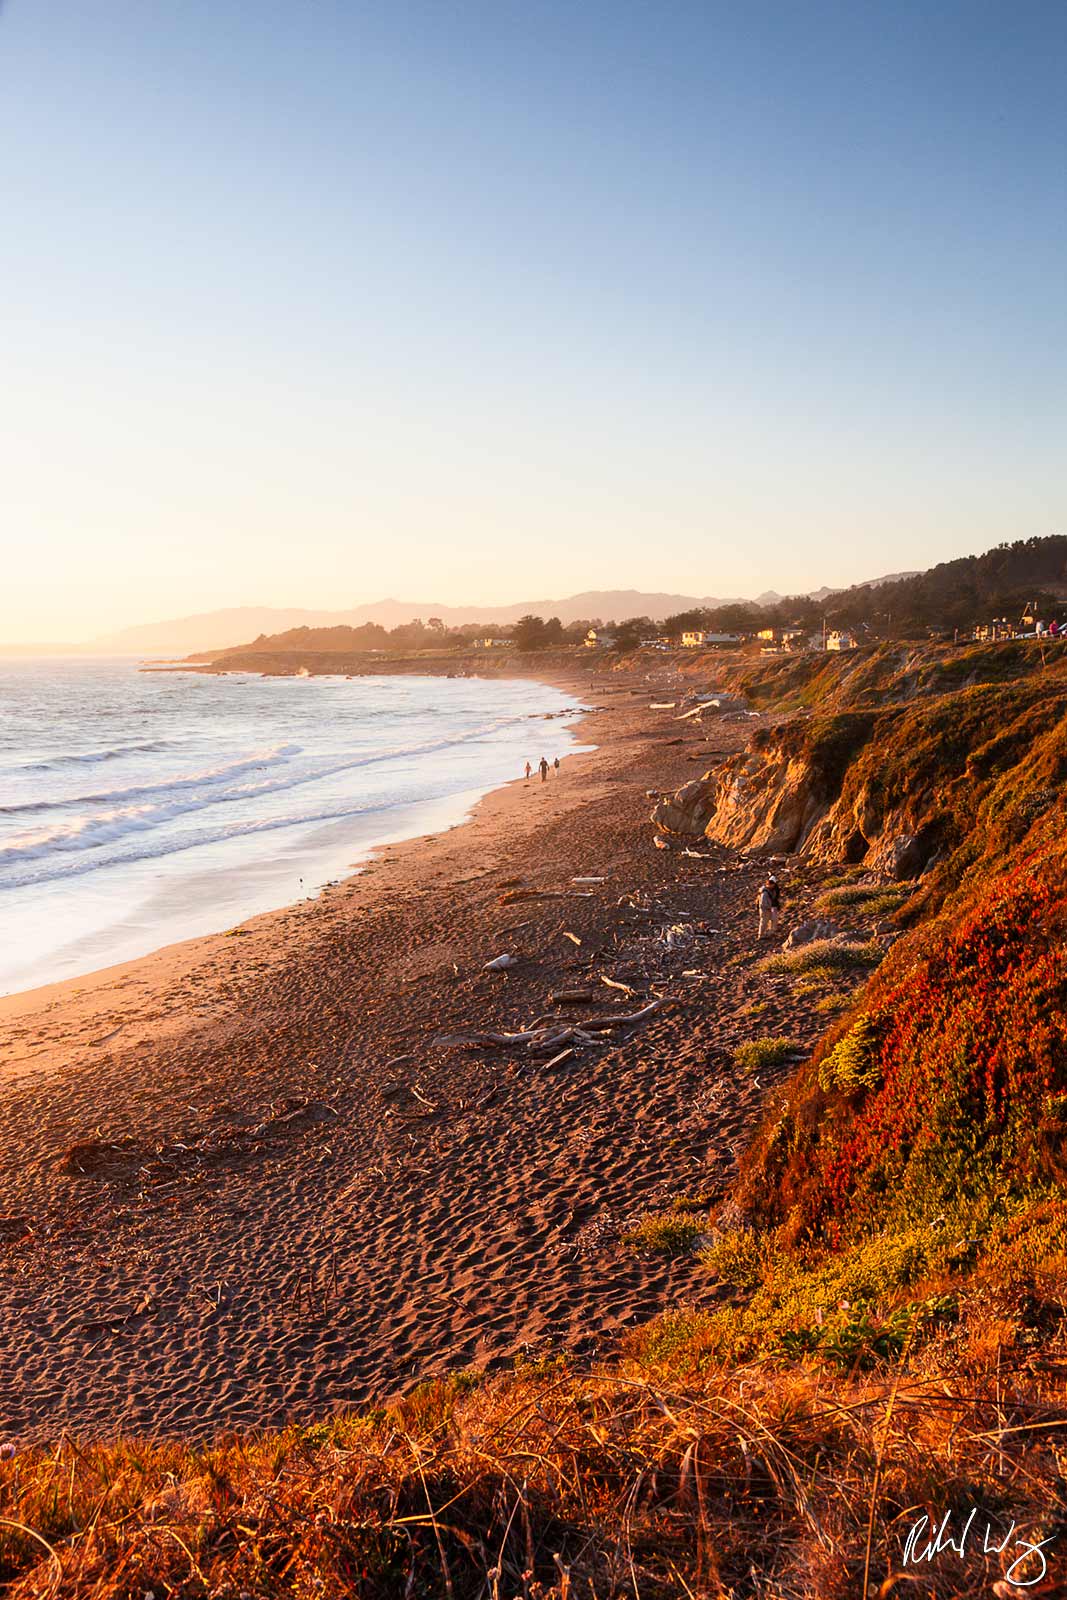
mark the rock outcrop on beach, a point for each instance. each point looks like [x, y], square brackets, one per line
[688, 811]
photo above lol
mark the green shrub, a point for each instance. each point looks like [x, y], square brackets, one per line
[736, 1257]
[824, 955]
[847, 894]
[859, 1339]
[871, 899]
[884, 904]
[668, 1233]
[767, 1052]
[855, 1060]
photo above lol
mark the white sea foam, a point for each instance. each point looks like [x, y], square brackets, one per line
[196, 780]
[224, 796]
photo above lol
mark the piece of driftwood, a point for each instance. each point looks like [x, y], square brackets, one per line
[570, 997]
[573, 937]
[477, 1037]
[612, 983]
[514, 895]
[609, 1021]
[551, 1040]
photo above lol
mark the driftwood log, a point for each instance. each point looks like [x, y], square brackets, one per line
[552, 1035]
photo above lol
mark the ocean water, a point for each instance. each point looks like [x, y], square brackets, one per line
[138, 808]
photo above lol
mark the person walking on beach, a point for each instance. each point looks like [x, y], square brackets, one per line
[544, 769]
[555, 763]
[768, 904]
[529, 769]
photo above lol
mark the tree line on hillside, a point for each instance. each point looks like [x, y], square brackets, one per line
[953, 595]
[529, 633]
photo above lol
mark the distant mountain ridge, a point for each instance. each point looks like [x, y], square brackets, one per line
[215, 630]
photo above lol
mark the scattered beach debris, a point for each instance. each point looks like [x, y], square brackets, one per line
[547, 1038]
[500, 963]
[103, 1158]
[697, 710]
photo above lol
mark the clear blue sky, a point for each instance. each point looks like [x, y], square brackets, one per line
[311, 303]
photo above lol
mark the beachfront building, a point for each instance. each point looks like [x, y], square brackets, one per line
[699, 638]
[841, 640]
[595, 640]
[772, 640]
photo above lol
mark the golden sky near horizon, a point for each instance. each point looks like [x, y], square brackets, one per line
[314, 308]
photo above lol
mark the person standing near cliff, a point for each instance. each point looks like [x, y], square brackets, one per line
[543, 764]
[768, 904]
[529, 769]
[555, 763]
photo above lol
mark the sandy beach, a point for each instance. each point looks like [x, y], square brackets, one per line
[245, 1182]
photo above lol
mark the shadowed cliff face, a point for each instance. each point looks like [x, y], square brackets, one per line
[894, 787]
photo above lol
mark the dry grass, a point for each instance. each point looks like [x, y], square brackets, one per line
[659, 1478]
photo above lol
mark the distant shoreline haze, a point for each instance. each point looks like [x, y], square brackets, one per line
[213, 630]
